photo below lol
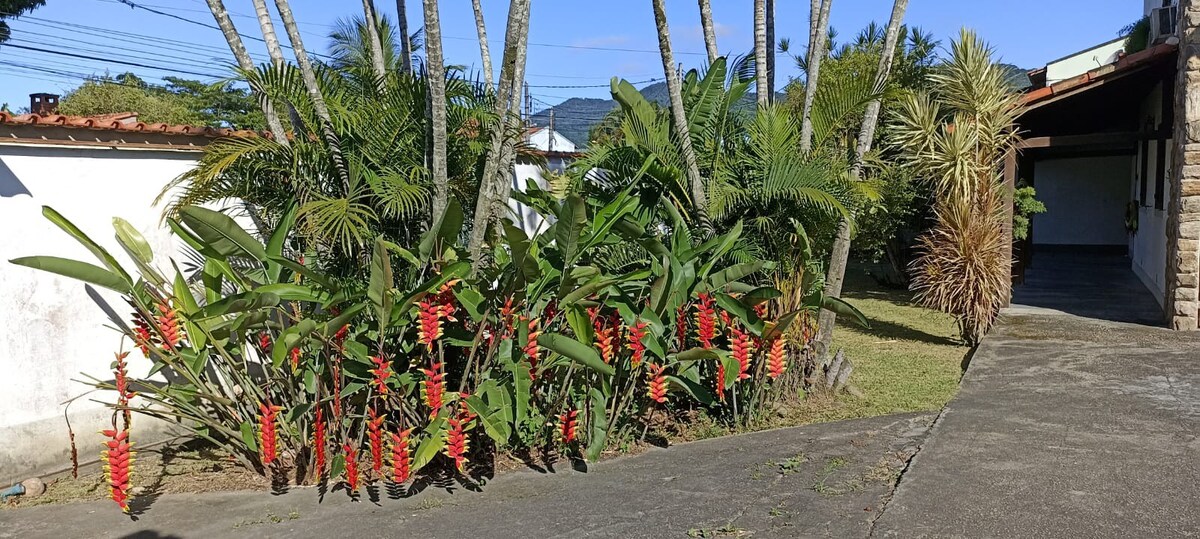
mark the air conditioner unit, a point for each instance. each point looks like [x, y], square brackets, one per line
[1163, 21]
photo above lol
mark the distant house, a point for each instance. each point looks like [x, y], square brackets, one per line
[559, 152]
[1112, 148]
[90, 170]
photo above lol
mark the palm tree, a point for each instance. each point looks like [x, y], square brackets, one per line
[840, 253]
[957, 136]
[770, 39]
[405, 42]
[435, 68]
[376, 44]
[352, 51]
[481, 29]
[309, 77]
[760, 52]
[691, 167]
[816, 52]
[244, 62]
[268, 31]
[710, 36]
[494, 183]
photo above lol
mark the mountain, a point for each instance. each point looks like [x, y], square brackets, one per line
[575, 117]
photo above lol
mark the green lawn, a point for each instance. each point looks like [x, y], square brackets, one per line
[909, 360]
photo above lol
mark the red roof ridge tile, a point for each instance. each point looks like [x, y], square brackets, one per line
[120, 122]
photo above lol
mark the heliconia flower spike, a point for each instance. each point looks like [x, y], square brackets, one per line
[776, 359]
[339, 338]
[264, 340]
[681, 327]
[638, 349]
[567, 425]
[433, 311]
[456, 439]
[657, 387]
[531, 346]
[506, 316]
[720, 380]
[375, 434]
[295, 355]
[143, 335]
[706, 322]
[168, 326]
[267, 435]
[117, 458]
[740, 344]
[319, 442]
[725, 321]
[381, 373]
[433, 387]
[551, 310]
[352, 475]
[605, 336]
[760, 309]
[401, 456]
[121, 378]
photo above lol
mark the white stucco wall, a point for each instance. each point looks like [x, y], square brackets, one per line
[540, 139]
[524, 216]
[1148, 246]
[1085, 200]
[54, 327]
[1082, 62]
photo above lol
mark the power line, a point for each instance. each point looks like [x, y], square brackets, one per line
[586, 85]
[110, 60]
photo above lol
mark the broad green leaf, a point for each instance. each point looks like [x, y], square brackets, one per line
[697, 391]
[588, 288]
[344, 318]
[842, 308]
[291, 338]
[76, 270]
[580, 322]
[432, 443]
[781, 324]
[186, 304]
[132, 241]
[599, 435]
[101, 253]
[571, 220]
[734, 273]
[444, 231]
[248, 436]
[246, 301]
[761, 294]
[727, 242]
[472, 301]
[294, 292]
[282, 229]
[379, 291]
[222, 233]
[697, 354]
[580, 353]
[521, 391]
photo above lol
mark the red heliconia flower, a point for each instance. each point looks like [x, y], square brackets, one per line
[721, 380]
[295, 355]
[121, 378]
[381, 373]
[264, 340]
[506, 316]
[401, 456]
[319, 442]
[117, 457]
[375, 434]
[681, 329]
[433, 387]
[776, 359]
[339, 337]
[706, 322]
[433, 311]
[267, 435]
[456, 439]
[761, 310]
[657, 390]
[143, 335]
[531, 346]
[567, 425]
[352, 476]
[725, 321]
[551, 310]
[740, 344]
[638, 349]
[168, 326]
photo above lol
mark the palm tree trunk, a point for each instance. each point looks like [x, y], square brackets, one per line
[762, 87]
[314, 91]
[816, 53]
[275, 51]
[508, 152]
[376, 44]
[481, 29]
[710, 36]
[840, 255]
[435, 74]
[692, 168]
[246, 63]
[770, 35]
[493, 184]
[405, 39]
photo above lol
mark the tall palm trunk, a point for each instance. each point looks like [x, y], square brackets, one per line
[405, 39]
[481, 29]
[762, 87]
[841, 244]
[770, 35]
[435, 74]
[494, 182]
[376, 44]
[819, 33]
[275, 51]
[314, 91]
[691, 167]
[710, 35]
[246, 63]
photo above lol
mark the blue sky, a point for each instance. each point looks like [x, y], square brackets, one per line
[572, 41]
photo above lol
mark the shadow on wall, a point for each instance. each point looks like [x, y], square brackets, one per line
[10, 185]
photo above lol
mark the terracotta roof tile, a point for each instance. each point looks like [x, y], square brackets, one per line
[1099, 74]
[121, 122]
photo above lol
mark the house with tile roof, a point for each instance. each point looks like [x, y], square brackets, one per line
[1112, 147]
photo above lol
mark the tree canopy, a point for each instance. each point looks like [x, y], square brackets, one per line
[180, 101]
[11, 9]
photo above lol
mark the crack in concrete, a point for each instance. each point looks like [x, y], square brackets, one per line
[891, 493]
